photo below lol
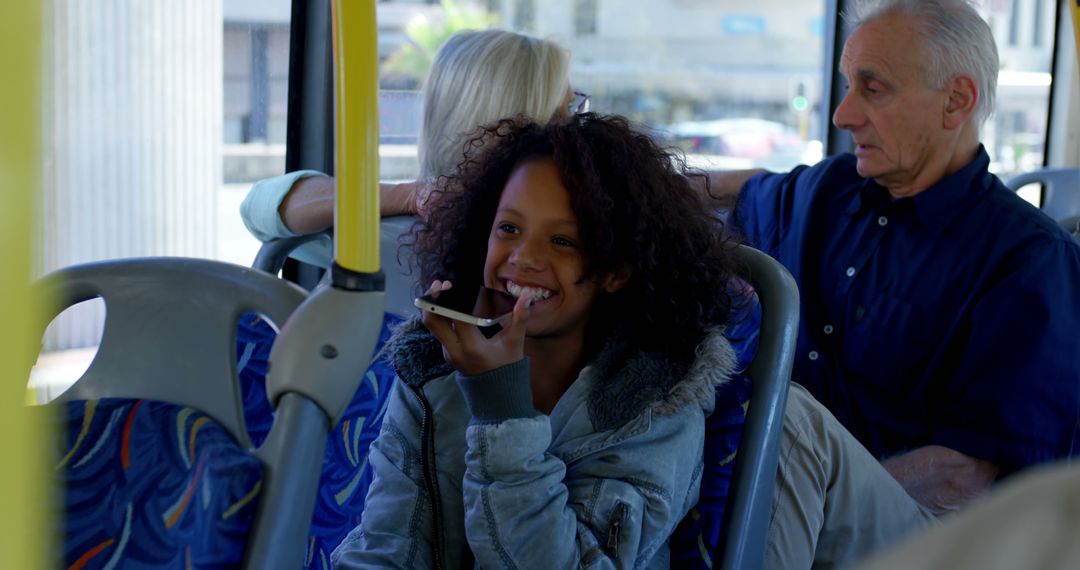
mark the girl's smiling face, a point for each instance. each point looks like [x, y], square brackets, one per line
[534, 249]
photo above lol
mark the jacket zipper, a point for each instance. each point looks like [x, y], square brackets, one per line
[617, 517]
[427, 464]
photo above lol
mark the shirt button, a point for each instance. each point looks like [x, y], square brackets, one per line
[882, 221]
[813, 355]
[828, 329]
[850, 272]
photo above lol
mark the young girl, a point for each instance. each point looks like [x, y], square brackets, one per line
[573, 436]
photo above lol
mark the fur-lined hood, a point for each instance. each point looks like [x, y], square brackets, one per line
[626, 383]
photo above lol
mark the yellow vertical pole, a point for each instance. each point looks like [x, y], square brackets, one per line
[1074, 8]
[356, 153]
[22, 500]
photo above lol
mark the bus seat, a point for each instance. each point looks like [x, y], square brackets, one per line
[747, 513]
[727, 528]
[272, 254]
[1072, 223]
[158, 467]
[1060, 195]
[400, 280]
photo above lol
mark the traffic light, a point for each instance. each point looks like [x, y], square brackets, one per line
[799, 102]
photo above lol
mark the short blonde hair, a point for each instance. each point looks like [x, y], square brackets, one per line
[482, 76]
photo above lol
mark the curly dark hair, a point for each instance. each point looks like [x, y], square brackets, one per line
[635, 208]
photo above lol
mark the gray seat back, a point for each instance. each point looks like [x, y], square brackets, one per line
[170, 329]
[401, 286]
[170, 335]
[750, 505]
[272, 254]
[400, 281]
[1060, 193]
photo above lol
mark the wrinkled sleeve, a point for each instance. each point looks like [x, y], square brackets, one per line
[767, 206]
[259, 211]
[610, 508]
[1020, 406]
[396, 526]
[744, 323]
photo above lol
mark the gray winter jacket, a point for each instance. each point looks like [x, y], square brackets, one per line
[468, 474]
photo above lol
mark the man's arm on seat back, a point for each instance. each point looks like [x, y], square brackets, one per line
[941, 479]
[723, 186]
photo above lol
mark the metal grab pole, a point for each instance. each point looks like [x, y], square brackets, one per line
[319, 359]
[356, 152]
[1074, 9]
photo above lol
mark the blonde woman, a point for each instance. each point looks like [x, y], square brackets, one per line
[476, 77]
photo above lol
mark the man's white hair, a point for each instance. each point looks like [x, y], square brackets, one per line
[955, 39]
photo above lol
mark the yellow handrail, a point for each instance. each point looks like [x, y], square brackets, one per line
[356, 153]
[1075, 9]
[22, 494]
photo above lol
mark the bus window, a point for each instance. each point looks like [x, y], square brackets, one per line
[158, 117]
[1015, 136]
[735, 85]
[255, 54]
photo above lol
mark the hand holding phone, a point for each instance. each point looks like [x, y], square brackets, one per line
[455, 320]
[483, 307]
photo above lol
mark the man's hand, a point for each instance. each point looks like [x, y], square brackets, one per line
[720, 188]
[941, 479]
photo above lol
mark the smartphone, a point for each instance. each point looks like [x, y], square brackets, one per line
[482, 307]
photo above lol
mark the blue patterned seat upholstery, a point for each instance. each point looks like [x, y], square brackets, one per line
[345, 473]
[150, 484]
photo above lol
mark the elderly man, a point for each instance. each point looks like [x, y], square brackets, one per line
[940, 312]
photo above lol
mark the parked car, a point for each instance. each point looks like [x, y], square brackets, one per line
[750, 142]
[742, 137]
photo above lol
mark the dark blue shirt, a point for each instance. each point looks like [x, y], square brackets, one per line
[950, 318]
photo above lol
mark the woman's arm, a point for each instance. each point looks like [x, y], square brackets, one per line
[309, 205]
[302, 202]
[260, 208]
